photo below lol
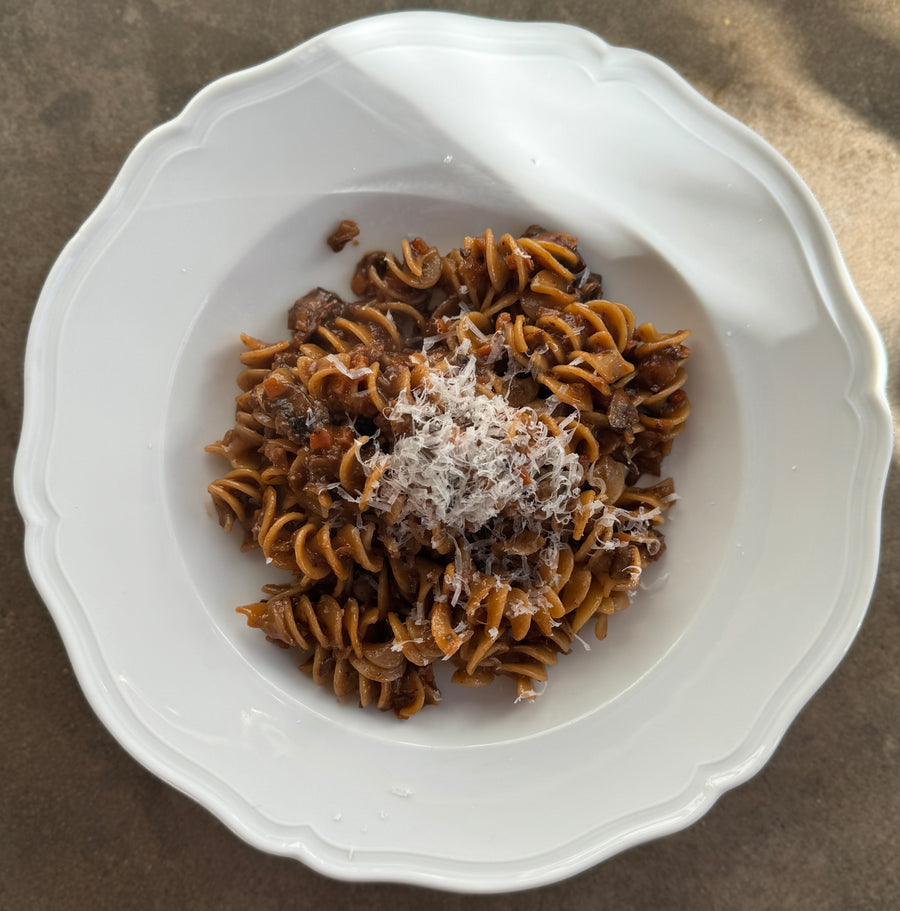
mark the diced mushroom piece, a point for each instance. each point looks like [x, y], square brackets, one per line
[310, 311]
[622, 414]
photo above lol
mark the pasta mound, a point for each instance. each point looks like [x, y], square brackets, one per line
[449, 466]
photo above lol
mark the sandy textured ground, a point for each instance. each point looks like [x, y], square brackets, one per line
[82, 824]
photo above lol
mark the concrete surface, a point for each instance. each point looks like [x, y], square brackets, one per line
[82, 825]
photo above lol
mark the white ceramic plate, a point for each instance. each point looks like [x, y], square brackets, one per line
[442, 125]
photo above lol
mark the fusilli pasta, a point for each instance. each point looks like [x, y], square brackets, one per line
[448, 465]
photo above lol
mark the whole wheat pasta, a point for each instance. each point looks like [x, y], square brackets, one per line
[449, 466]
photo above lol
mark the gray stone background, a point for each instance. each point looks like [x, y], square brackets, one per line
[82, 825]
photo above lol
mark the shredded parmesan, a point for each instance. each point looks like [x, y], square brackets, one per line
[531, 693]
[656, 584]
[356, 373]
[498, 348]
[587, 647]
[470, 459]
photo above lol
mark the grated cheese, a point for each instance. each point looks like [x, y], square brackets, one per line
[531, 693]
[470, 459]
[357, 373]
[587, 647]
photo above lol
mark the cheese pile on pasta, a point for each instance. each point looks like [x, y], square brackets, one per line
[448, 465]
